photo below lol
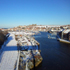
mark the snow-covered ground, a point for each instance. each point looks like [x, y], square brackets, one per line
[22, 33]
[9, 54]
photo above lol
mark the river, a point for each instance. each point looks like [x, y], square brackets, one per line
[56, 55]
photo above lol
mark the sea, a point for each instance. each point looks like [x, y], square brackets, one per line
[56, 55]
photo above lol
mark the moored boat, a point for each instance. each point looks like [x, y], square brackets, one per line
[64, 36]
[64, 41]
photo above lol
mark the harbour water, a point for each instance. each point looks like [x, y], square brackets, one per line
[56, 55]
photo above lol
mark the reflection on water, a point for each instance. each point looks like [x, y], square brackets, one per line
[37, 36]
[56, 55]
[52, 36]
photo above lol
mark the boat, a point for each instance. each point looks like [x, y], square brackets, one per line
[64, 41]
[64, 36]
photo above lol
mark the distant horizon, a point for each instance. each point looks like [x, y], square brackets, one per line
[26, 12]
[31, 24]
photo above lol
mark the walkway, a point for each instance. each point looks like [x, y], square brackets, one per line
[9, 54]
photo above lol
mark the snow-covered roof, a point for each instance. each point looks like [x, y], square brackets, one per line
[66, 31]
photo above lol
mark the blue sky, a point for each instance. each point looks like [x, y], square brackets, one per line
[41, 12]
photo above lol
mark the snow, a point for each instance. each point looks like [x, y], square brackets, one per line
[53, 25]
[7, 34]
[66, 31]
[27, 66]
[22, 33]
[27, 41]
[9, 54]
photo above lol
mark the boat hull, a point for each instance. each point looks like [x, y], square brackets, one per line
[64, 41]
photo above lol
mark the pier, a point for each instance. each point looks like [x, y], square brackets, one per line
[9, 54]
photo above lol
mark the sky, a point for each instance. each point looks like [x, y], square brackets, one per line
[41, 12]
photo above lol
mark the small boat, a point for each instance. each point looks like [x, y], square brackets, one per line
[64, 36]
[64, 41]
